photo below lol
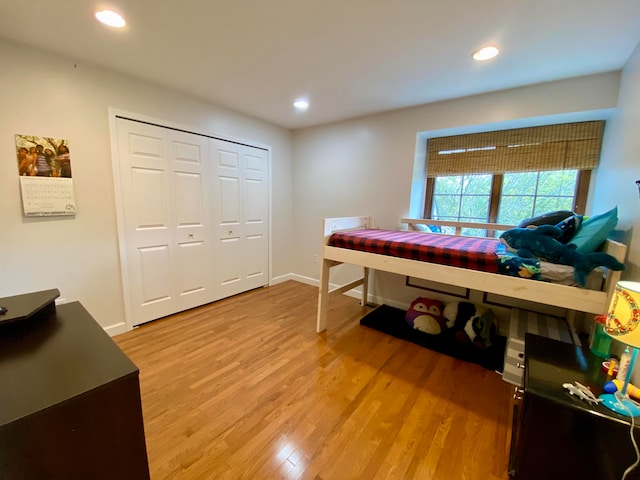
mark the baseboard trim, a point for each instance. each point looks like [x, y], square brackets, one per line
[302, 279]
[355, 292]
[116, 329]
[281, 279]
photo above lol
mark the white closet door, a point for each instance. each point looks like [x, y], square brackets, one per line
[193, 225]
[241, 213]
[166, 208]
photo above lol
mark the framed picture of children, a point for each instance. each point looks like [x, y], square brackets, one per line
[43, 156]
[44, 169]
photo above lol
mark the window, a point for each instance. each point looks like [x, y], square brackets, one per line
[527, 194]
[509, 175]
[464, 198]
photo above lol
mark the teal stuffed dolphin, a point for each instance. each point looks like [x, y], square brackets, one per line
[541, 242]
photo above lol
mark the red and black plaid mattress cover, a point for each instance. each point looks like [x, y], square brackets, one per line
[465, 252]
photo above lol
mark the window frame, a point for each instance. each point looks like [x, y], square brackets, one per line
[579, 197]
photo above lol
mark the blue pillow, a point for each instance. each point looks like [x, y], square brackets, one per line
[569, 227]
[594, 230]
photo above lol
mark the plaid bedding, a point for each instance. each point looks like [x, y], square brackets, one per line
[465, 252]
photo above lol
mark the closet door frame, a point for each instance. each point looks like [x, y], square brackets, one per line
[114, 114]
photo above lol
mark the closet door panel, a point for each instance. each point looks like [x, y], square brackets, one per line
[228, 201]
[149, 195]
[188, 199]
[193, 277]
[187, 153]
[254, 257]
[256, 217]
[155, 274]
[255, 209]
[166, 220]
[145, 182]
[229, 252]
[240, 216]
[229, 265]
[189, 160]
[188, 157]
[146, 147]
[226, 155]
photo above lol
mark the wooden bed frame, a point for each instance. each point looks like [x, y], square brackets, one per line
[571, 298]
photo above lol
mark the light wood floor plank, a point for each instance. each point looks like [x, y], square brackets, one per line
[245, 388]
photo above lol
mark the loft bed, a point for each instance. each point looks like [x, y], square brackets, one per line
[572, 298]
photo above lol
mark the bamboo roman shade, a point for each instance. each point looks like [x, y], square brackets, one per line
[570, 146]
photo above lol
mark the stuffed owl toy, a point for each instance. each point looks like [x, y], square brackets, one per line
[426, 315]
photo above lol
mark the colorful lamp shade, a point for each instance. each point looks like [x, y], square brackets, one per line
[623, 324]
[623, 318]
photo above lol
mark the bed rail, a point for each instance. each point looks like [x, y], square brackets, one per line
[458, 226]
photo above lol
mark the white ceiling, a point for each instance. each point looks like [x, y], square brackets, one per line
[349, 57]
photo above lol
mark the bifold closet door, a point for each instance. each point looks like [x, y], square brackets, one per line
[241, 217]
[167, 220]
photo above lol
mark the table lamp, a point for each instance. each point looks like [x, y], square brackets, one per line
[623, 324]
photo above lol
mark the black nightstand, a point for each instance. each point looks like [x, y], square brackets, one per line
[558, 436]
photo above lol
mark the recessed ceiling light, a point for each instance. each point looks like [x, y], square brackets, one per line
[485, 53]
[301, 104]
[110, 18]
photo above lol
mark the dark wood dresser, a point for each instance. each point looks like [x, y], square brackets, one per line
[556, 435]
[69, 401]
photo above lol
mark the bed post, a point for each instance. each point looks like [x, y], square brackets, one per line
[323, 296]
[365, 287]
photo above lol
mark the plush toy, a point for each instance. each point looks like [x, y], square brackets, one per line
[481, 329]
[542, 242]
[470, 323]
[425, 315]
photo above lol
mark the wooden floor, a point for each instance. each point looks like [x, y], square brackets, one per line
[245, 388]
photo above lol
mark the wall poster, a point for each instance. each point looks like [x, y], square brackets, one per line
[44, 166]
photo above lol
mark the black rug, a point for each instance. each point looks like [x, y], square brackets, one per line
[391, 321]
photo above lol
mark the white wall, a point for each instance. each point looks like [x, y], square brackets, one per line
[48, 95]
[364, 166]
[620, 165]
[614, 182]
